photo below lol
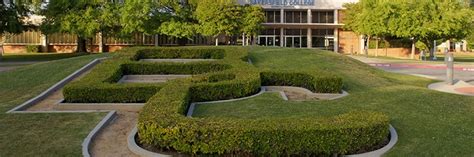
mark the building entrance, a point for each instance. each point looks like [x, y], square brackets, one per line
[270, 40]
[296, 41]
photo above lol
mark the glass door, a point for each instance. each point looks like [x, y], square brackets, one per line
[295, 41]
[289, 41]
[268, 40]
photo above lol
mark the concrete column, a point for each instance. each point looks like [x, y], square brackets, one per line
[310, 39]
[336, 40]
[44, 43]
[336, 16]
[282, 37]
[310, 16]
[464, 46]
[282, 15]
[100, 39]
[282, 30]
[2, 42]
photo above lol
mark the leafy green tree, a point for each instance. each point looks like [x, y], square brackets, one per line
[180, 20]
[11, 19]
[218, 17]
[252, 19]
[422, 20]
[82, 18]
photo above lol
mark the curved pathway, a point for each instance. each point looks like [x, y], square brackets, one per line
[427, 69]
[110, 141]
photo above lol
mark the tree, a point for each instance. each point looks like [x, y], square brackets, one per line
[253, 17]
[218, 17]
[79, 17]
[11, 19]
[180, 23]
[423, 20]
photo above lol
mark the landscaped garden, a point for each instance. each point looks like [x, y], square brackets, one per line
[429, 123]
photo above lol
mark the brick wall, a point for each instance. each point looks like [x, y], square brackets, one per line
[349, 42]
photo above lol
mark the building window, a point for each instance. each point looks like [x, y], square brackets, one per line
[296, 17]
[323, 38]
[272, 17]
[323, 17]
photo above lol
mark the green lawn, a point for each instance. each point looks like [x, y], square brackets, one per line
[429, 123]
[33, 57]
[41, 134]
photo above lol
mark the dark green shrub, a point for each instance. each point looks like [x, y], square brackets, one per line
[320, 82]
[182, 53]
[32, 48]
[162, 125]
[140, 68]
[244, 84]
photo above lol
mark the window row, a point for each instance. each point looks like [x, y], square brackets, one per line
[299, 17]
[314, 32]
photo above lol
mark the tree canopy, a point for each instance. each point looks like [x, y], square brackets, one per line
[182, 19]
[422, 20]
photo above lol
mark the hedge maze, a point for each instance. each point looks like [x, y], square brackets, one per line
[163, 125]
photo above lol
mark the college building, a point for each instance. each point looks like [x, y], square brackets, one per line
[318, 24]
[305, 24]
[288, 23]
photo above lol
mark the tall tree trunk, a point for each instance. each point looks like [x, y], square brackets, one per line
[377, 47]
[386, 46]
[430, 48]
[81, 45]
[217, 41]
[254, 42]
[413, 49]
[243, 39]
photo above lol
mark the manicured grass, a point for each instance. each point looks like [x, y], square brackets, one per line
[33, 57]
[41, 134]
[429, 123]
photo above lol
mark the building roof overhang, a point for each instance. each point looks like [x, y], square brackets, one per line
[303, 25]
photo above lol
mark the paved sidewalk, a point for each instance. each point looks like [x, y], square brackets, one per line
[432, 70]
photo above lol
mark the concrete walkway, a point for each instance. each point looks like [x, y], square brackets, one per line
[432, 70]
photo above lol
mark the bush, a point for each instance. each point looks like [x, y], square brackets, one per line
[32, 48]
[182, 53]
[321, 83]
[140, 68]
[244, 84]
[162, 125]
[100, 86]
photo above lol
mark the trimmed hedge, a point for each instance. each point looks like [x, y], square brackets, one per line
[143, 68]
[162, 123]
[321, 83]
[100, 85]
[182, 53]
